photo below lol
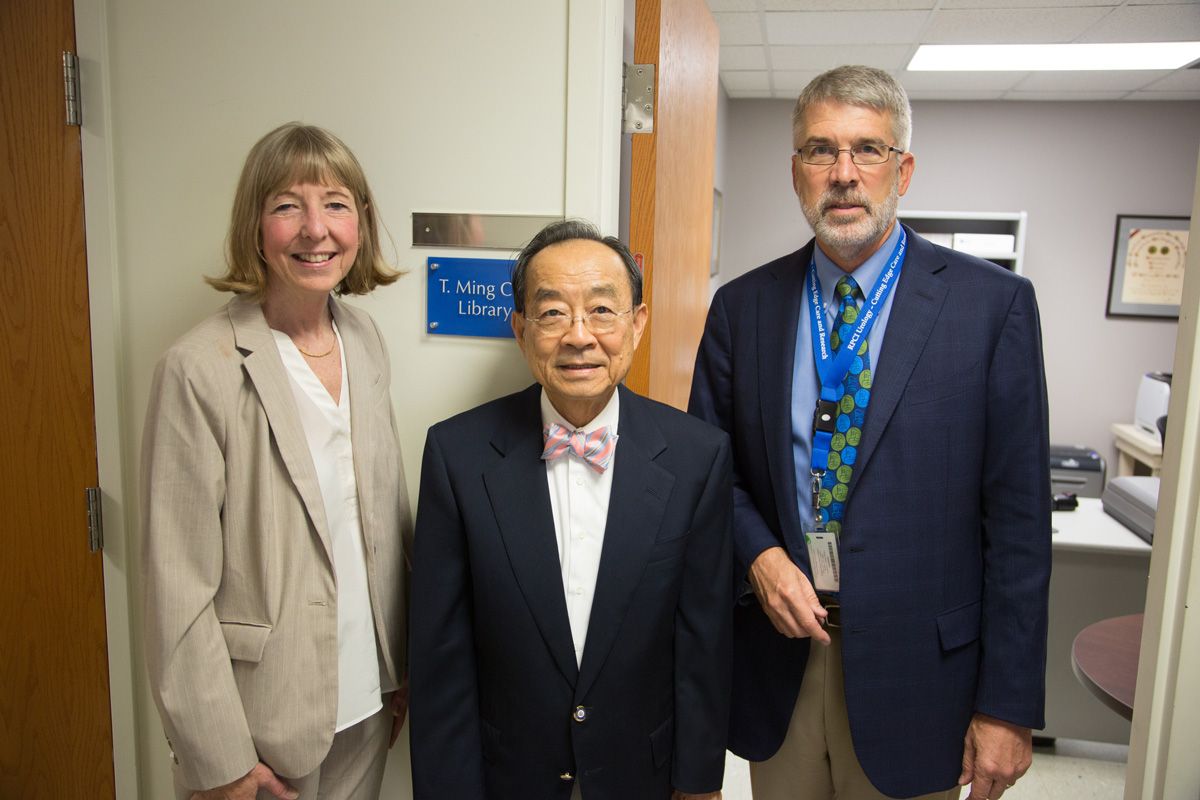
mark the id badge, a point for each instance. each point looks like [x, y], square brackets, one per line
[823, 558]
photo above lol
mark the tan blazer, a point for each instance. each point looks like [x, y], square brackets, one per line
[240, 600]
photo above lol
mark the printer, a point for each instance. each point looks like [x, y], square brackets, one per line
[1079, 470]
[1153, 397]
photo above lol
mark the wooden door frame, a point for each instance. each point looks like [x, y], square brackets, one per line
[114, 421]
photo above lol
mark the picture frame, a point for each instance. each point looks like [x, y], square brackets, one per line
[1149, 254]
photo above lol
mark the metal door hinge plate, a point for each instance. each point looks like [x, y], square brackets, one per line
[637, 99]
[95, 519]
[71, 87]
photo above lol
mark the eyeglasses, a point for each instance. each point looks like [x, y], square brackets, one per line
[866, 154]
[599, 321]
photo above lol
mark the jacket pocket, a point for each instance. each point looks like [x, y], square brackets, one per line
[245, 640]
[919, 393]
[959, 626]
[662, 742]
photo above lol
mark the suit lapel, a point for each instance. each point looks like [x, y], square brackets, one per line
[915, 310]
[778, 317]
[364, 377]
[640, 489]
[520, 500]
[266, 371]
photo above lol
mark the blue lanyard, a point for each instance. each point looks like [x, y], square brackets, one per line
[832, 367]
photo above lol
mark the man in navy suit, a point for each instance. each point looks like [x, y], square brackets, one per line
[571, 595]
[887, 404]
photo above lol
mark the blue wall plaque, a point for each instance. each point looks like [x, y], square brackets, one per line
[469, 297]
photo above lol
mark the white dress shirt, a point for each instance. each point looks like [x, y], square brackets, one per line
[327, 427]
[579, 503]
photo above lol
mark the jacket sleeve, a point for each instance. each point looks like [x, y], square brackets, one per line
[703, 638]
[182, 494]
[712, 400]
[1016, 523]
[445, 737]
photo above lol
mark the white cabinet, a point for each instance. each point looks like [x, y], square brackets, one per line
[942, 226]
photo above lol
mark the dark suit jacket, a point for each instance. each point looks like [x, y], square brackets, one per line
[946, 545]
[494, 681]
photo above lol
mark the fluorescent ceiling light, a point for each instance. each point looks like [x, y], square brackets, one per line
[1038, 57]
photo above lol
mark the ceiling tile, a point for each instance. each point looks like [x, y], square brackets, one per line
[1181, 80]
[959, 81]
[1164, 96]
[739, 28]
[1173, 23]
[849, 27]
[1010, 26]
[732, 5]
[743, 57]
[745, 82]
[1064, 96]
[845, 5]
[955, 95]
[790, 83]
[1027, 3]
[1089, 80]
[823, 57]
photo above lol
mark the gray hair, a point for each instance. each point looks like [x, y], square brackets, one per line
[857, 85]
[566, 230]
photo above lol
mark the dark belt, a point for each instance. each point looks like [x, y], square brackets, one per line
[834, 610]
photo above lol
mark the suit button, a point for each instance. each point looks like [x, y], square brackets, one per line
[566, 777]
[580, 714]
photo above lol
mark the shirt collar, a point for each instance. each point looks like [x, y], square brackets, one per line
[865, 274]
[607, 418]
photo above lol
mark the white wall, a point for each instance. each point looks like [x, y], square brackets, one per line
[1072, 166]
[460, 105]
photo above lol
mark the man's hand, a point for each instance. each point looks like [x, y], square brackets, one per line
[399, 708]
[246, 787]
[677, 795]
[787, 596]
[995, 754]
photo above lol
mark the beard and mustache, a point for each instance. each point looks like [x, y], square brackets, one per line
[851, 237]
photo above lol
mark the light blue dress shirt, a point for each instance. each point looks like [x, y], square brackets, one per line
[805, 388]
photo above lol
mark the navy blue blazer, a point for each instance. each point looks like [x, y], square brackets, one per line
[946, 544]
[495, 687]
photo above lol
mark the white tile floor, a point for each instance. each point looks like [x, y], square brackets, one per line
[1071, 769]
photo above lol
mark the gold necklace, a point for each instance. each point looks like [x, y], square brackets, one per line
[316, 355]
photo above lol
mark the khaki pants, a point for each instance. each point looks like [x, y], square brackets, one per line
[353, 768]
[817, 761]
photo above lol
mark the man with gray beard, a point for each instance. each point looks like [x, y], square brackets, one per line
[886, 400]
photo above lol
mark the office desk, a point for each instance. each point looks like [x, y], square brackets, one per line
[1105, 659]
[1100, 571]
[1136, 445]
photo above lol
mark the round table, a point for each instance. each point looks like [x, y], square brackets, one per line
[1104, 657]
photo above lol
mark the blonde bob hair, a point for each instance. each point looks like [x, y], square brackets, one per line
[290, 154]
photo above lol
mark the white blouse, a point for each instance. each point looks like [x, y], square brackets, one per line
[327, 427]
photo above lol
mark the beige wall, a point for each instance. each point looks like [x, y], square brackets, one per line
[460, 105]
[1073, 166]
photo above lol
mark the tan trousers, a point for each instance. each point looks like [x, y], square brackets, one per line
[817, 761]
[353, 768]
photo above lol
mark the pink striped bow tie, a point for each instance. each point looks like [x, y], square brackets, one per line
[595, 448]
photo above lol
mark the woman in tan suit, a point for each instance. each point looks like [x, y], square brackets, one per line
[274, 508]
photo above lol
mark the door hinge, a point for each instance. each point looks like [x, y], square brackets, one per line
[71, 87]
[95, 519]
[637, 99]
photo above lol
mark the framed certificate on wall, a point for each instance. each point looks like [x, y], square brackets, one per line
[1147, 267]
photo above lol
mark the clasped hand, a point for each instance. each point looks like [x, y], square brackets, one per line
[787, 596]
